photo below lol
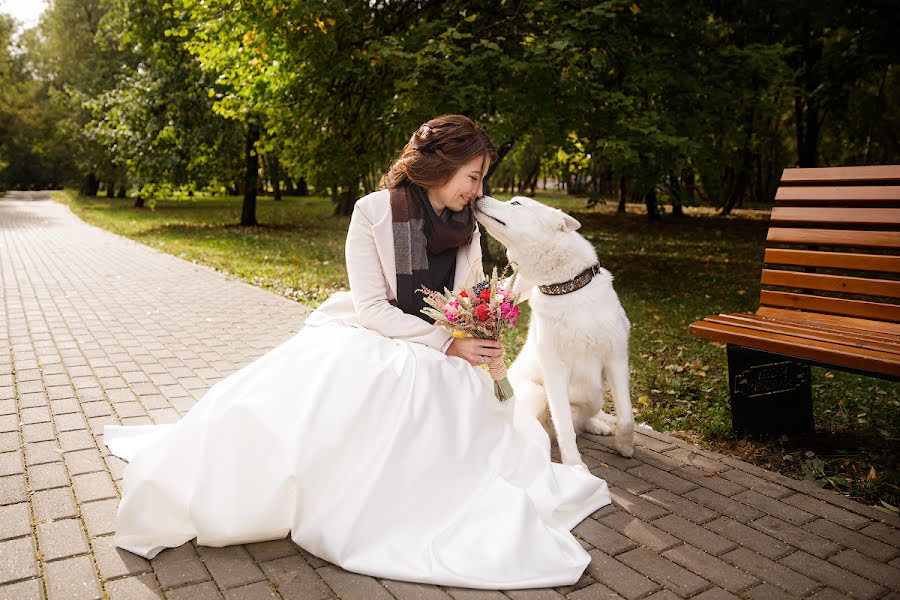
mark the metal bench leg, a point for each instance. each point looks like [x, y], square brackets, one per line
[769, 393]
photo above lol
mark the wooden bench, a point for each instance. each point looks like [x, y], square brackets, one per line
[830, 290]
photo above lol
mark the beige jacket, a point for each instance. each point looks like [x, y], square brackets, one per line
[373, 279]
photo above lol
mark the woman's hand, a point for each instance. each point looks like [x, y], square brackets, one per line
[475, 351]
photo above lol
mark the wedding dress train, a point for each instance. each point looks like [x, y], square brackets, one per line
[384, 457]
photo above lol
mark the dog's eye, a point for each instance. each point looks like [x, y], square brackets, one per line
[516, 202]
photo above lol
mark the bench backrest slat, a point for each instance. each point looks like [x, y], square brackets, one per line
[837, 260]
[848, 194]
[835, 237]
[834, 244]
[831, 306]
[838, 175]
[832, 283]
[835, 216]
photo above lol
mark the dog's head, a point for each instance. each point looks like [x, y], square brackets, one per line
[523, 222]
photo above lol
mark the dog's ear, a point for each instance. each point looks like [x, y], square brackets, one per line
[569, 223]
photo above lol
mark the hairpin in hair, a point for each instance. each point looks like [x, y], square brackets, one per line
[426, 131]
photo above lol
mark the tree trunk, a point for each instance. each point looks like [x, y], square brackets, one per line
[123, 191]
[623, 195]
[110, 189]
[346, 199]
[276, 176]
[139, 198]
[302, 189]
[248, 209]
[651, 204]
[91, 185]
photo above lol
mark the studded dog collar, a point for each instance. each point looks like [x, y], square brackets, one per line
[576, 283]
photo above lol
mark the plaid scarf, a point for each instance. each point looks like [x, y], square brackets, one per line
[418, 231]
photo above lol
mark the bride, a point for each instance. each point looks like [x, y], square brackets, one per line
[370, 437]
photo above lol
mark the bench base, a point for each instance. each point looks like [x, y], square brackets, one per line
[769, 394]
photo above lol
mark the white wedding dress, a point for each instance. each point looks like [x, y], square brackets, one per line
[385, 457]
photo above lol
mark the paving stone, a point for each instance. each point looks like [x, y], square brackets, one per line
[9, 422]
[827, 594]
[93, 486]
[664, 572]
[39, 453]
[750, 538]
[69, 422]
[61, 539]
[708, 479]
[231, 566]
[72, 579]
[266, 551]
[601, 536]
[296, 580]
[175, 567]
[15, 520]
[403, 590]
[679, 505]
[535, 594]
[695, 459]
[38, 432]
[261, 590]
[715, 594]
[11, 463]
[775, 508]
[352, 586]
[115, 562]
[50, 475]
[724, 505]
[827, 511]
[17, 559]
[469, 594]
[37, 414]
[663, 479]
[757, 484]
[880, 531]
[76, 440]
[855, 540]
[10, 441]
[54, 504]
[142, 587]
[100, 408]
[595, 591]
[771, 572]
[197, 591]
[698, 536]
[84, 461]
[100, 517]
[636, 505]
[796, 536]
[64, 406]
[8, 406]
[618, 577]
[832, 576]
[711, 568]
[623, 480]
[643, 533]
[869, 568]
[12, 489]
[31, 589]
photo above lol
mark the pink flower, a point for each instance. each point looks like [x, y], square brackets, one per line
[454, 303]
[512, 314]
[451, 316]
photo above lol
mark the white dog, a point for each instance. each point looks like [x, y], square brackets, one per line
[577, 345]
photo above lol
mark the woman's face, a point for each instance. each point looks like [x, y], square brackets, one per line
[465, 186]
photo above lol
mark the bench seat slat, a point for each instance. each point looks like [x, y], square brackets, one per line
[875, 193]
[835, 237]
[843, 216]
[811, 333]
[836, 321]
[838, 260]
[845, 326]
[832, 283]
[885, 363]
[834, 306]
[886, 173]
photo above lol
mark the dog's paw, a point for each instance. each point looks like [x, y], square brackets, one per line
[598, 426]
[624, 440]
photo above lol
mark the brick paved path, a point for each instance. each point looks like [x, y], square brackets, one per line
[96, 329]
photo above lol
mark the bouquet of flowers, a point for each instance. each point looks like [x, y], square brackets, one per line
[483, 311]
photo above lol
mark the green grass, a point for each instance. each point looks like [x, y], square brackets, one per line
[666, 274]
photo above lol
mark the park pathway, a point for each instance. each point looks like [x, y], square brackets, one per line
[97, 329]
